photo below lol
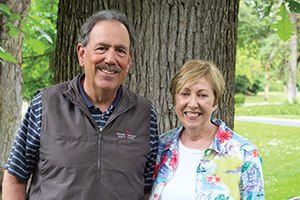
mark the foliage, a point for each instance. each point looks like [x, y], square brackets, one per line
[278, 146]
[35, 37]
[241, 83]
[39, 29]
[276, 86]
[38, 66]
[261, 55]
[239, 99]
[6, 55]
[256, 86]
[252, 29]
[4, 10]
[285, 29]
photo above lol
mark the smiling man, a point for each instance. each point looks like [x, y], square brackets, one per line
[88, 138]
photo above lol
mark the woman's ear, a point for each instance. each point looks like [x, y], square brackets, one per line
[215, 107]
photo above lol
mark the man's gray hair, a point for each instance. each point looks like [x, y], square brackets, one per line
[106, 15]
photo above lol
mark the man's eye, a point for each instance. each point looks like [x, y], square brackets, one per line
[121, 52]
[101, 49]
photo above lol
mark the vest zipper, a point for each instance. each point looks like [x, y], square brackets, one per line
[99, 154]
[99, 140]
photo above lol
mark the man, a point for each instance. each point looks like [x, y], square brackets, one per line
[88, 138]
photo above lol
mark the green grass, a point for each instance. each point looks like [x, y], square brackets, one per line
[277, 106]
[274, 97]
[285, 110]
[280, 150]
[279, 146]
[281, 116]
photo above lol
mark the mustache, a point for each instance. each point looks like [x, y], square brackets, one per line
[108, 67]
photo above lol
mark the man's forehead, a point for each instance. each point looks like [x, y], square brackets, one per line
[110, 33]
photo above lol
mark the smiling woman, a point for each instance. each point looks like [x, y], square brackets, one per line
[203, 158]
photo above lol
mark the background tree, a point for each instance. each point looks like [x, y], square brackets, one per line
[263, 53]
[10, 79]
[292, 81]
[168, 34]
[39, 49]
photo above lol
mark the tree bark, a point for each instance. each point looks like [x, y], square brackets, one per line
[169, 33]
[267, 81]
[293, 63]
[11, 81]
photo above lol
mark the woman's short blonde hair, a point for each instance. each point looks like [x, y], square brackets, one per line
[192, 71]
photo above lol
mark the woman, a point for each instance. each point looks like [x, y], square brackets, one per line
[203, 158]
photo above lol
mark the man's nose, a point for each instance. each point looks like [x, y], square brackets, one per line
[110, 56]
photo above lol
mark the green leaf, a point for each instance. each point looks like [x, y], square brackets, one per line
[267, 10]
[36, 45]
[294, 6]
[12, 31]
[43, 34]
[6, 56]
[285, 29]
[4, 10]
[26, 28]
[36, 23]
[15, 16]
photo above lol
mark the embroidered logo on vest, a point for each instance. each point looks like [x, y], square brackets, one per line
[126, 135]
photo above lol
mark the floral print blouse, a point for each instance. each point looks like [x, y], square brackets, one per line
[231, 167]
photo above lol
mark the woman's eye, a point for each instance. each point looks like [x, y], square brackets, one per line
[184, 94]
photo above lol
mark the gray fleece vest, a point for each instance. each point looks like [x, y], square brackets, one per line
[79, 161]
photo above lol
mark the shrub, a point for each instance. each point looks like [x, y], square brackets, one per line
[276, 86]
[256, 87]
[241, 83]
[239, 99]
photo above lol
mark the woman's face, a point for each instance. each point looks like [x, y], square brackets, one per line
[194, 105]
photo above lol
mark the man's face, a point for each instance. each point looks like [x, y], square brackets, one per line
[106, 58]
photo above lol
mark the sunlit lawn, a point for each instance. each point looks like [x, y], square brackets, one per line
[279, 147]
[273, 97]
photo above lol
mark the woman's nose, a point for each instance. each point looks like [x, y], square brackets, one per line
[192, 103]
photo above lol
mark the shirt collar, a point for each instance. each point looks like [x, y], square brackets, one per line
[221, 141]
[87, 100]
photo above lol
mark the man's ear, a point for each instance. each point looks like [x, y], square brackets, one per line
[80, 54]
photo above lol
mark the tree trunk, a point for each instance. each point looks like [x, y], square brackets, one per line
[169, 33]
[293, 63]
[11, 81]
[267, 82]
